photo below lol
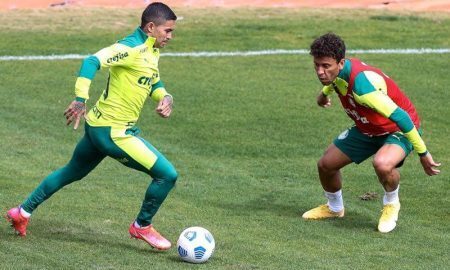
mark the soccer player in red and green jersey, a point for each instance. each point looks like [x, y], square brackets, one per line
[386, 125]
[110, 125]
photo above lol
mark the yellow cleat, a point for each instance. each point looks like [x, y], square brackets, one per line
[389, 216]
[322, 211]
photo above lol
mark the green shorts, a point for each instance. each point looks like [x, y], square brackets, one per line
[359, 147]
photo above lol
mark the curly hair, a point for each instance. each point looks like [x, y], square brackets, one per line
[328, 45]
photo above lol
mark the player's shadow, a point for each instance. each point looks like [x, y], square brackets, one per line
[351, 221]
[271, 203]
[268, 202]
[63, 232]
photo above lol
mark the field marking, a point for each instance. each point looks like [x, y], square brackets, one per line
[236, 53]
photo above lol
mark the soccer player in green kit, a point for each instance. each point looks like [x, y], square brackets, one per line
[110, 125]
[386, 125]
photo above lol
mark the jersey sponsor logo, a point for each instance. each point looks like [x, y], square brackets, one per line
[144, 80]
[117, 57]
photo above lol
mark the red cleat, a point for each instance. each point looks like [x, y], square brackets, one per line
[18, 222]
[150, 235]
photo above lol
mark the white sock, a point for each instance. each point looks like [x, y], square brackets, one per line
[24, 213]
[391, 197]
[139, 226]
[335, 201]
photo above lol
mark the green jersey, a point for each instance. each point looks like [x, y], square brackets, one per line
[133, 76]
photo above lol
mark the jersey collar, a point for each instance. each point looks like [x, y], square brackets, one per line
[344, 73]
[149, 41]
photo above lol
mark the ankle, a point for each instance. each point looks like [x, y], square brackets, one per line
[138, 226]
[24, 213]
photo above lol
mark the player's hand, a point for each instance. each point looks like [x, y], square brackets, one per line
[323, 101]
[429, 166]
[164, 108]
[75, 112]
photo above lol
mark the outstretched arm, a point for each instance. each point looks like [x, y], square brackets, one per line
[376, 99]
[77, 108]
[114, 55]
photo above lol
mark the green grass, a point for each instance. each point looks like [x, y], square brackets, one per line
[245, 137]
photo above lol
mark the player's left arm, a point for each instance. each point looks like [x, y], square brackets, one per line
[371, 91]
[159, 94]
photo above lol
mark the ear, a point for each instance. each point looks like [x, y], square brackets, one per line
[341, 64]
[150, 28]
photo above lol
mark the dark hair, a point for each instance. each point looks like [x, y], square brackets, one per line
[328, 45]
[158, 13]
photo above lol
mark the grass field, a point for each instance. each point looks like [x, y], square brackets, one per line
[245, 137]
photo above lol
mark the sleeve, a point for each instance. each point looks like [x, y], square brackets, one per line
[370, 90]
[327, 90]
[114, 55]
[158, 91]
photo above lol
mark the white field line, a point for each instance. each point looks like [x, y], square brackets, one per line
[235, 53]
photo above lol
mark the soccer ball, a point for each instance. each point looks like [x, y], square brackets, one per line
[195, 245]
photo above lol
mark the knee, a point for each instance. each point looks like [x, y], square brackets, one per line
[382, 165]
[164, 172]
[324, 166]
[167, 177]
[171, 175]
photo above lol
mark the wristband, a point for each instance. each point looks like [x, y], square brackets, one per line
[326, 90]
[80, 99]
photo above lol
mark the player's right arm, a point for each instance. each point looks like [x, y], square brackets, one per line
[114, 55]
[323, 99]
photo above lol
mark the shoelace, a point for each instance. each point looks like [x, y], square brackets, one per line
[387, 212]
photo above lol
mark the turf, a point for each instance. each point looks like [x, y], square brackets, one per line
[245, 137]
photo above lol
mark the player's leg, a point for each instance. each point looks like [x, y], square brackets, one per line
[164, 177]
[329, 167]
[350, 146]
[134, 152]
[84, 159]
[386, 162]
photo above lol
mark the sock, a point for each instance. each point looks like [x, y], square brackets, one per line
[335, 201]
[391, 197]
[136, 225]
[24, 213]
